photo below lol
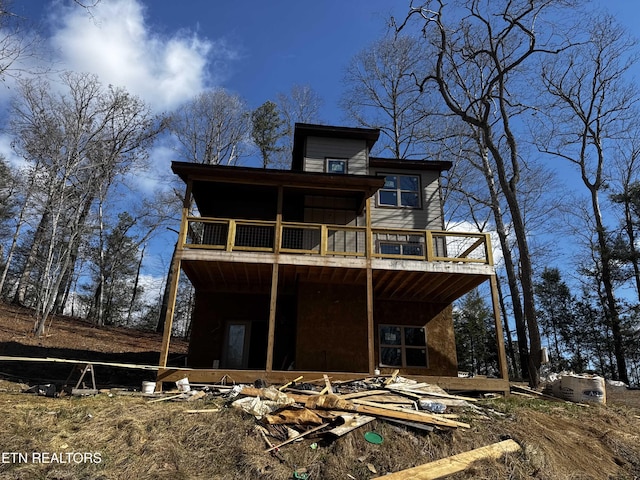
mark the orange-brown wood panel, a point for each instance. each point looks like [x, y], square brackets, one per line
[332, 328]
[438, 321]
[212, 311]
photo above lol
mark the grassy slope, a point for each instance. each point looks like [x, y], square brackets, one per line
[136, 439]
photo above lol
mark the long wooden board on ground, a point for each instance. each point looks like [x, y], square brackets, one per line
[79, 362]
[456, 463]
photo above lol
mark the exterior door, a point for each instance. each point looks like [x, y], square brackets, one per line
[236, 344]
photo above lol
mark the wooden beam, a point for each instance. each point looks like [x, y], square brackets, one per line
[77, 362]
[457, 463]
[168, 320]
[502, 355]
[272, 317]
[370, 324]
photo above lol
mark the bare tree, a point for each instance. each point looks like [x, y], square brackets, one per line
[592, 106]
[479, 61]
[301, 105]
[213, 128]
[381, 92]
[81, 140]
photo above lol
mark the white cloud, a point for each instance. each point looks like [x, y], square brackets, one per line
[465, 226]
[7, 152]
[119, 46]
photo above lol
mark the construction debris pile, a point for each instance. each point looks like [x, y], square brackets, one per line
[324, 410]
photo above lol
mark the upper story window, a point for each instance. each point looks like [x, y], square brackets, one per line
[400, 191]
[336, 165]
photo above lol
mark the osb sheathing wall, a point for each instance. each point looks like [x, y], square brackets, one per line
[438, 319]
[212, 311]
[332, 328]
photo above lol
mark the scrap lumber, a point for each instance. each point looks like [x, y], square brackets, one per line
[291, 382]
[351, 422]
[436, 417]
[416, 391]
[204, 410]
[333, 402]
[392, 378]
[327, 383]
[303, 434]
[365, 393]
[456, 463]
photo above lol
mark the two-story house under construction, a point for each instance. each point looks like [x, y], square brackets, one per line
[340, 265]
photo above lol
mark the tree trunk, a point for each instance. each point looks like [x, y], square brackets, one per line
[607, 283]
[165, 295]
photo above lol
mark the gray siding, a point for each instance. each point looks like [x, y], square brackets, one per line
[318, 149]
[428, 217]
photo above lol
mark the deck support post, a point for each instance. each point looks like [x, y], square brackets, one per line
[370, 324]
[502, 356]
[272, 317]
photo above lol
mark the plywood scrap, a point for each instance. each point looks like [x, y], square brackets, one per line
[457, 463]
[351, 422]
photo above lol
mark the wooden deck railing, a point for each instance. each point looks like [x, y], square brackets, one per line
[336, 240]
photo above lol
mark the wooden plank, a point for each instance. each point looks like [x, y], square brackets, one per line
[456, 463]
[351, 422]
[297, 379]
[425, 393]
[366, 393]
[333, 402]
[78, 362]
[327, 384]
[392, 408]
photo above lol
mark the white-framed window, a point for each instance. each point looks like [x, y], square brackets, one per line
[401, 248]
[336, 165]
[402, 346]
[400, 191]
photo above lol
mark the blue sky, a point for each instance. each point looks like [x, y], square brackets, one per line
[166, 52]
[254, 48]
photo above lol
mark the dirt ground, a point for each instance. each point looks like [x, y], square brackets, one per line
[137, 439]
[75, 339]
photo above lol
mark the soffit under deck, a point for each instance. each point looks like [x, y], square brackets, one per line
[435, 287]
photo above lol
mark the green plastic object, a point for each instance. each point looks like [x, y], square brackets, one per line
[373, 437]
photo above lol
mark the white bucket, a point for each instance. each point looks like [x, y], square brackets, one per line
[183, 385]
[148, 387]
